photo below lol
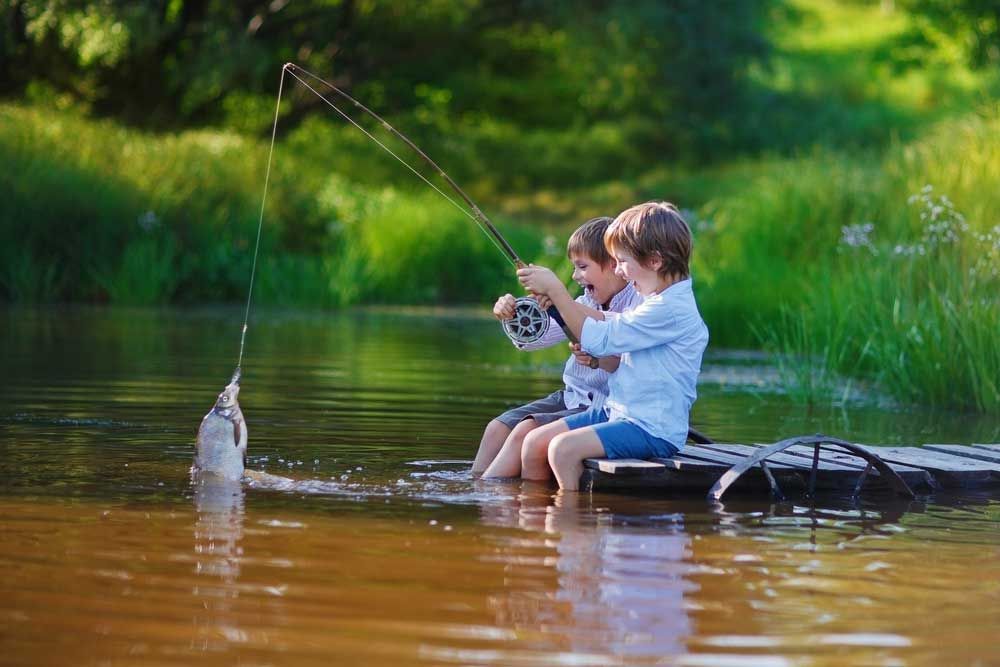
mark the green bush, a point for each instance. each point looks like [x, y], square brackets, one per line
[95, 212]
[811, 256]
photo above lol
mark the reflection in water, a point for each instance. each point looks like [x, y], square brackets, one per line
[847, 514]
[380, 549]
[218, 531]
[619, 589]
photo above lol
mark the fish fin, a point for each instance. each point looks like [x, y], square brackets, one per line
[237, 432]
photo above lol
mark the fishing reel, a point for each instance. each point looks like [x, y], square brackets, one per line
[529, 323]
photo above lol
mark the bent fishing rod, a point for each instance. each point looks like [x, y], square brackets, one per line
[530, 322]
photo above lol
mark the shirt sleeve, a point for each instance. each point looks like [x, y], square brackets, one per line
[647, 325]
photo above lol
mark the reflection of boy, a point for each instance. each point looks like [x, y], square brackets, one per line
[585, 378]
[661, 343]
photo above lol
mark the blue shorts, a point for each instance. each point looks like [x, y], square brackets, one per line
[622, 439]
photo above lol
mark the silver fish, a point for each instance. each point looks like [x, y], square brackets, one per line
[222, 437]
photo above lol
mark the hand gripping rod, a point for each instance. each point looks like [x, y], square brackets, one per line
[477, 214]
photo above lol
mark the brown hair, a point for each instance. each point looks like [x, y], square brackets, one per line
[654, 230]
[588, 240]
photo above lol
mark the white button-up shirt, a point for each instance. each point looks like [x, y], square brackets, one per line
[661, 343]
[585, 387]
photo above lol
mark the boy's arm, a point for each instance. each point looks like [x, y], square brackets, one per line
[540, 280]
[647, 325]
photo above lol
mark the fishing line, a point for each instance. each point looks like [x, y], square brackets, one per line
[507, 251]
[260, 221]
[529, 323]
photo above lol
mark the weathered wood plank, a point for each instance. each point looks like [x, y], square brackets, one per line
[790, 460]
[921, 456]
[634, 467]
[843, 458]
[628, 466]
[916, 478]
[947, 470]
[978, 453]
[728, 458]
[667, 482]
[682, 462]
[715, 464]
[789, 478]
[679, 474]
[696, 467]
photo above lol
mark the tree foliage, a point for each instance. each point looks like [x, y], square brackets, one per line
[672, 75]
[974, 23]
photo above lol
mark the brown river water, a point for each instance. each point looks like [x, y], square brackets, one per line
[390, 553]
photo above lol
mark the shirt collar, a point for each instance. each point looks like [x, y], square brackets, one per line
[624, 295]
[678, 288]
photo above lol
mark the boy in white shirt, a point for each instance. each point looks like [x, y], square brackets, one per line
[585, 377]
[660, 342]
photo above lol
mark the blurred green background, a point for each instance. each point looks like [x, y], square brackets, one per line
[839, 162]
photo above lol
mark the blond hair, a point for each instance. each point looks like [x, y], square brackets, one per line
[650, 231]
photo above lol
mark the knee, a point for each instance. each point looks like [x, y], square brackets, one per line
[533, 447]
[523, 429]
[561, 452]
[496, 429]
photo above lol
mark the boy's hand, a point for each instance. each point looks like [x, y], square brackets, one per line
[582, 357]
[504, 308]
[539, 280]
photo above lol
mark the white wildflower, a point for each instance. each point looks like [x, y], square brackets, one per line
[148, 221]
[858, 236]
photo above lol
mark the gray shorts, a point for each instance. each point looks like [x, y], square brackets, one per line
[543, 411]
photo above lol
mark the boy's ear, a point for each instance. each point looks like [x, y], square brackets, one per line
[656, 261]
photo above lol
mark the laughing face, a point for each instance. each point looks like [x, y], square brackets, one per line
[599, 283]
[645, 278]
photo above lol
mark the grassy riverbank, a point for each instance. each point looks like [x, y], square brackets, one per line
[828, 259]
[90, 211]
[870, 255]
[883, 268]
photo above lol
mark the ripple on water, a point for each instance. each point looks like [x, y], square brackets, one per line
[382, 548]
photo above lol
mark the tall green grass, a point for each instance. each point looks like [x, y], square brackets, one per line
[880, 268]
[94, 212]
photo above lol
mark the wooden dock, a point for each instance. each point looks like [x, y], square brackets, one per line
[813, 464]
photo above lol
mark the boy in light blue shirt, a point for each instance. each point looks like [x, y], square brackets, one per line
[585, 377]
[661, 342]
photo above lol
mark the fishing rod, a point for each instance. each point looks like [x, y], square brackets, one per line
[530, 322]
